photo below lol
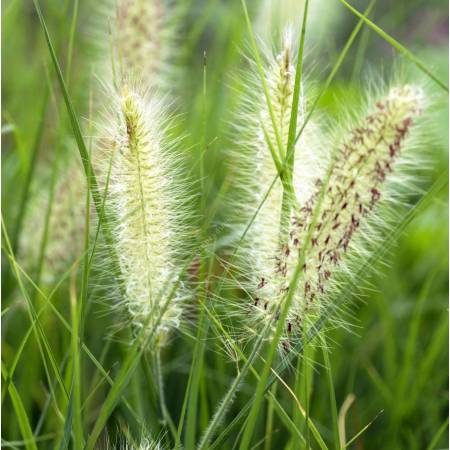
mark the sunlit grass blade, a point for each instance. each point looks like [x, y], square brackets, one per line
[361, 431]
[309, 422]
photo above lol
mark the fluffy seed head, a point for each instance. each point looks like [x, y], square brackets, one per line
[253, 161]
[360, 167]
[137, 35]
[144, 444]
[144, 37]
[146, 205]
[253, 168]
[65, 227]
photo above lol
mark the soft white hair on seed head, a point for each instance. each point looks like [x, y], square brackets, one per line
[366, 160]
[147, 203]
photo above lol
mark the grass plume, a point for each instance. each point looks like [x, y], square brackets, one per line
[146, 200]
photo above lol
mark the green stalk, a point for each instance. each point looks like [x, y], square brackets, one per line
[229, 396]
[333, 72]
[74, 408]
[130, 364]
[262, 77]
[288, 188]
[197, 365]
[21, 414]
[269, 418]
[162, 398]
[196, 369]
[333, 405]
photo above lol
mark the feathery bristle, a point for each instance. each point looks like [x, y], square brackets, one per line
[137, 36]
[146, 206]
[358, 174]
[253, 157]
[255, 171]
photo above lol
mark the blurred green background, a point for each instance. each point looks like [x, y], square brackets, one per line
[395, 363]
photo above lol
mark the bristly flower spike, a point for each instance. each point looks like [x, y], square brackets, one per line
[253, 161]
[256, 148]
[146, 201]
[357, 182]
[143, 41]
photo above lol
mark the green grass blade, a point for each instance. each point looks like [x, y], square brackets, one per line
[90, 175]
[280, 410]
[69, 329]
[399, 47]
[284, 307]
[75, 396]
[262, 76]
[434, 442]
[67, 425]
[29, 175]
[288, 190]
[196, 369]
[24, 424]
[363, 429]
[333, 405]
[73, 26]
[41, 337]
[333, 72]
[230, 394]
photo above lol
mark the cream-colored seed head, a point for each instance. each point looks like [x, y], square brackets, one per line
[145, 205]
[254, 160]
[358, 174]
